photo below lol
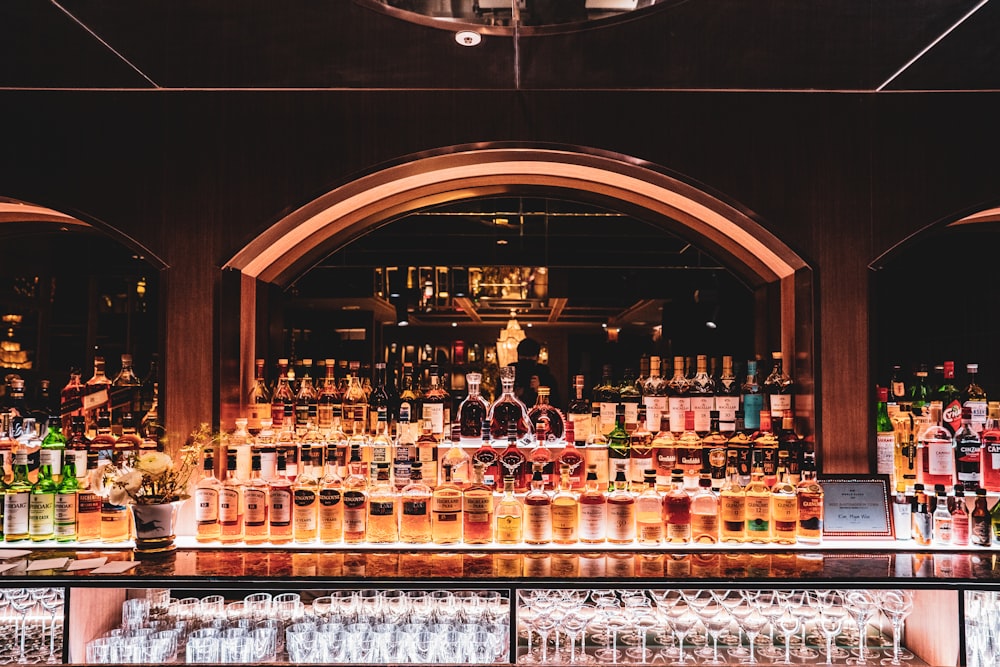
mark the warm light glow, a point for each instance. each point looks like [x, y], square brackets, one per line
[510, 336]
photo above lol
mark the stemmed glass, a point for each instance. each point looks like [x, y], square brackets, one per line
[544, 622]
[862, 605]
[753, 623]
[716, 623]
[772, 606]
[682, 620]
[897, 605]
[52, 602]
[788, 624]
[804, 605]
[831, 623]
[642, 617]
[614, 621]
[21, 601]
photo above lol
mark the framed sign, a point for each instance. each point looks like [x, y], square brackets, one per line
[856, 506]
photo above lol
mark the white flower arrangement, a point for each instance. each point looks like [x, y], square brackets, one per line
[153, 478]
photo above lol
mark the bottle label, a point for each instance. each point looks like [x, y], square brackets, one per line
[780, 404]
[581, 425]
[415, 507]
[593, 520]
[229, 505]
[434, 412]
[784, 509]
[678, 405]
[382, 508]
[51, 458]
[537, 523]
[564, 520]
[508, 529]
[702, 407]
[608, 415]
[967, 463]
[479, 504]
[951, 416]
[705, 525]
[752, 405]
[329, 497]
[447, 504]
[206, 505]
[902, 520]
[733, 509]
[940, 459]
[304, 498]
[650, 533]
[41, 513]
[88, 503]
[885, 444]
[655, 407]
[727, 407]
[621, 521]
[942, 529]
[256, 507]
[304, 517]
[631, 412]
[65, 511]
[281, 506]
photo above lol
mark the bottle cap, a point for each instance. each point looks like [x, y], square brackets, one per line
[972, 368]
[883, 394]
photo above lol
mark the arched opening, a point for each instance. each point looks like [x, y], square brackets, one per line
[780, 280]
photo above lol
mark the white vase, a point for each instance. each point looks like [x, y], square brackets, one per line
[155, 527]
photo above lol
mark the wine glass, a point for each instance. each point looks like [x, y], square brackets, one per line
[716, 623]
[52, 603]
[739, 609]
[614, 621]
[772, 606]
[861, 605]
[753, 623]
[643, 619]
[544, 621]
[831, 623]
[897, 605]
[788, 623]
[21, 601]
[804, 605]
[682, 620]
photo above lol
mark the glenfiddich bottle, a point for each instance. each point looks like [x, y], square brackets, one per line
[810, 505]
[784, 505]
[732, 501]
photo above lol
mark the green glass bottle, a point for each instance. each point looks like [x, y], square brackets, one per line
[16, 496]
[885, 436]
[618, 445]
[995, 520]
[64, 527]
[53, 447]
[42, 506]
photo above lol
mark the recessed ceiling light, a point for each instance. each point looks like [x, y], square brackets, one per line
[501, 241]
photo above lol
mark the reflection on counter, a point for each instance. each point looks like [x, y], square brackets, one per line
[976, 566]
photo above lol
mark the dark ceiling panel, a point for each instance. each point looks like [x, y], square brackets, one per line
[296, 43]
[42, 47]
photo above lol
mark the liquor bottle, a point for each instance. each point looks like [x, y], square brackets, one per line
[305, 500]
[565, 510]
[702, 392]
[758, 506]
[71, 401]
[282, 394]
[896, 391]
[512, 460]
[919, 390]
[621, 512]
[415, 514]
[902, 514]
[677, 510]
[426, 449]
[605, 399]
[885, 438]
[727, 396]
[537, 510]
[689, 455]
[678, 399]
[546, 417]
[125, 393]
[437, 405]
[572, 456]
[53, 448]
[654, 396]
[950, 399]
[752, 398]
[354, 404]
[410, 396]
[255, 505]
[477, 508]
[230, 504]
[88, 506]
[67, 491]
[640, 450]
[578, 412]
[778, 388]
[979, 521]
[765, 445]
[732, 501]
[381, 445]
[378, 400]
[974, 398]
[649, 515]
[968, 454]
[664, 453]
[331, 500]
[355, 499]
[704, 513]
[306, 399]
[129, 440]
[630, 396]
[960, 520]
[937, 453]
[97, 394]
[206, 501]
[383, 515]
[784, 505]
[488, 456]
[150, 387]
[593, 510]
[78, 444]
[42, 506]
[114, 522]
[457, 458]
[404, 452]
[279, 513]
[472, 411]
[904, 447]
[446, 511]
[941, 521]
[329, 408]
[595, 452]
[810, 511]
[618, 446]
[258, 399]
[713, 453]
[991, 449]
[508, 410]
[508, 515]
[922, 524]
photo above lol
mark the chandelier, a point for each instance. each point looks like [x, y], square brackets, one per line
[510, 336]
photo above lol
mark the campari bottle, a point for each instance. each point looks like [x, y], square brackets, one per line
[991, 449]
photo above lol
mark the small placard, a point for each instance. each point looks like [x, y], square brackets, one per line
[856, 506]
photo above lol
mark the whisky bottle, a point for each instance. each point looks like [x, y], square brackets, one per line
[974, 398]
[593, 510]
[689, 455]
[446, 511]
[565, 510]
[472, 412]
[702, 393]
[404, 452]
[885, 438]
[572, 457]
[595, 452]
[97, 394]
[64, 529]
[618, 446]
[426, 448]
[578, 412]
[960, 520]
[979, 521]
[255, 505]
[621, 512]
[355, 404]
[512, 460]
[410, 398]
[331, 497]
[88, 506]
[382, 443]
[640, 451]
[355, 499]
[649, 512]
[508, 410]
[664, 453]
[677, 510]
[629, 397]
[383, 517]
[230, 504]
[904, 447]
[727, 396]
[281, 501]
[42, 506]
[306, 400]
[328, 400]
[778, 387]
[258, 399]
[282, 394]
[704, 513]
[713, 453]
[546, 417]
[537, 511]
[752, 397]
[78, 445]
[457, 458]
[678, 399]
[477, 508]
[902, 514]
[758, 506]
[305, 500]
[541, 456]
[378, 401]
[809, 494]
[784, 505]
[53, 448]
[604, 401]
[114, 522]
[415, 517]
[206, 502]
[71, 402]
[732, 501]
[437, 405]
[508, 515]
[654, 396]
